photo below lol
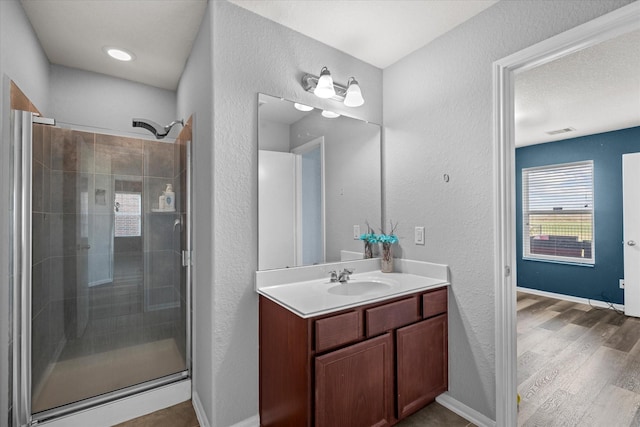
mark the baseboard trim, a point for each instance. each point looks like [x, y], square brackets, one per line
[464, 411]
[593, 302]
[200, 414]
[249, 422]
[204, 421]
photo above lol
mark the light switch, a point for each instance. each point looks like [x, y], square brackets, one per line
[356, 232]
[419, 236]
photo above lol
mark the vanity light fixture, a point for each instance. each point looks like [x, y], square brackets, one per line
[302, 107]
[353, 97]
[119, 54]
[324, 87]
[329, 114]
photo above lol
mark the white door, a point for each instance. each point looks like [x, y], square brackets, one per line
[310, 215]
[631, 234]
[276, 203]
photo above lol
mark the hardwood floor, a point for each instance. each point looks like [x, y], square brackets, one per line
[577, 365]
[183, 415]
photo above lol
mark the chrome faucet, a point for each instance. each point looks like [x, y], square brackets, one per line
[333, 276]
[344, 275]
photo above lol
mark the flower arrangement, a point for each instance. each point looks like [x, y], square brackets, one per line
[370, 238]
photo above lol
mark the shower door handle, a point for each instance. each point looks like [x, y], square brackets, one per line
[631, 243]
[81, 247]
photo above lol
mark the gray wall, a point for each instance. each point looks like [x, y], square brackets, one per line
[274, 136]
[101, 103]
[442, 123]
[353, 177]
[195, 96]
[23, 61]
[251, 55]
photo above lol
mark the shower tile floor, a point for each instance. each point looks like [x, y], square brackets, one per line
[75, 379]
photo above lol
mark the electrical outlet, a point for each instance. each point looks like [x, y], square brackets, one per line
[356, 232]
[621, 282]
[419, 236]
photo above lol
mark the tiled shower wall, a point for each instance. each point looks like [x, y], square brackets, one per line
[47, 309]
[144, 301]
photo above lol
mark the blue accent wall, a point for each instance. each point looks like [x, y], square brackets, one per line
[599, 282]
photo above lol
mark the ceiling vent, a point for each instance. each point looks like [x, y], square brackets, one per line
[559, 131]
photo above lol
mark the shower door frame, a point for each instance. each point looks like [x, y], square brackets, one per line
[21, 136]
[21, 245]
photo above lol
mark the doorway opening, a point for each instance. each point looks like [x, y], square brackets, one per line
[594, 32]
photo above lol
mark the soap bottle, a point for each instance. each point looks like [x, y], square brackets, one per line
[162, 202]
[169, 198]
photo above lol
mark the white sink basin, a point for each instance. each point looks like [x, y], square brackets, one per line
[360, 287]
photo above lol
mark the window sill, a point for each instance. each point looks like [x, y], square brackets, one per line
[563, 262]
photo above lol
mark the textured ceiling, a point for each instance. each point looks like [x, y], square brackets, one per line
[378, 32]
[159, 32]
[594, 90]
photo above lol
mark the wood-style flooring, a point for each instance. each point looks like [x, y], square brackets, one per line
[577, 365]
[183, 415]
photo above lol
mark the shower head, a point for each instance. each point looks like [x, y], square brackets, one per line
[156, 129]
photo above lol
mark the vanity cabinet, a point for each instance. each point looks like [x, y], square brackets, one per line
[422, 372]
[354, 385]
[371, 365]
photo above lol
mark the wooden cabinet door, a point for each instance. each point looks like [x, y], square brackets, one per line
[354, 385]
[422, 363]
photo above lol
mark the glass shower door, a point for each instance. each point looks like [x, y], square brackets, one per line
[109, 291]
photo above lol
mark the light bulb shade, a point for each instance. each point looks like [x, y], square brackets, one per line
[329, 114]
[324, 88]
[302, 107]
[353, 97]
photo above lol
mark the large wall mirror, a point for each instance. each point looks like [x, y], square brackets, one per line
[319, 180]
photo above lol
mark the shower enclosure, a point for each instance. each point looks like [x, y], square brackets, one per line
[101, 273]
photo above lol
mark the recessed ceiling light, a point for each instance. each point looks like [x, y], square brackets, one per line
[119, 54]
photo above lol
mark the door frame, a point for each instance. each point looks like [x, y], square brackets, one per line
[613, 24]
[298, 152]
[630, 200]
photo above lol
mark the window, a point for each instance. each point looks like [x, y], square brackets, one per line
[127, 214]
[557, 209]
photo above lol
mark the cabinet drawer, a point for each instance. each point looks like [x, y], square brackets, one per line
[338, 330]
[391, 316]
[434, 303]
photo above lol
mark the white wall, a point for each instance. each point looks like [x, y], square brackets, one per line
[274, 136]
[195, 97]
[251, 55]
[23, 61]
[442, 123]
[107, 104]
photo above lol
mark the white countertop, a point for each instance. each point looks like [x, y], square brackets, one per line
[310, 298]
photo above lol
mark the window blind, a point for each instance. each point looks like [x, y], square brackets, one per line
[558, 212]
[128, 214]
